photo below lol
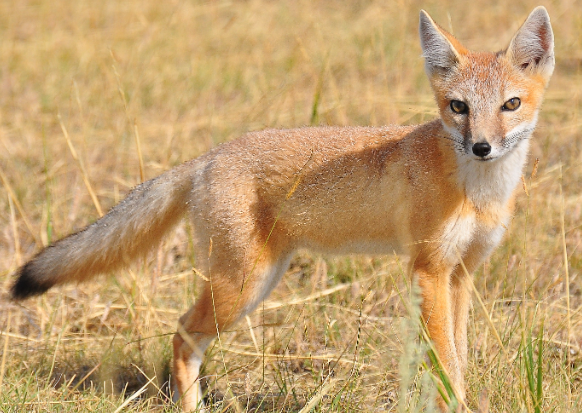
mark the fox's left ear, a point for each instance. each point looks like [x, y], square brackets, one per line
[532, 47]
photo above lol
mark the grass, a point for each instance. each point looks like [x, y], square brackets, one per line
[177, 78]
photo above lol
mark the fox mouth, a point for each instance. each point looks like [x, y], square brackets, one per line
[487, 159]
[491, 157]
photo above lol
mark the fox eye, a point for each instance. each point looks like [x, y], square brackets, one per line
[459, 107]
[512, 104]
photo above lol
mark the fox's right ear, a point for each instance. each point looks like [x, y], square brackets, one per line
[532, 47]
[441, 51]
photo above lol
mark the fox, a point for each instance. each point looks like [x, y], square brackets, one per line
[441, 193]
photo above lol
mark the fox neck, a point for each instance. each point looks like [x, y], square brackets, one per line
[491, 183]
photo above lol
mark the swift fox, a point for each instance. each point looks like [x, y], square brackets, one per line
[441, 192]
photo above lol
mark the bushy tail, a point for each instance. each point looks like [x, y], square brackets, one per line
[128, 231]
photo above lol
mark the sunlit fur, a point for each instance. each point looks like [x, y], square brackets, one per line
[417, 190]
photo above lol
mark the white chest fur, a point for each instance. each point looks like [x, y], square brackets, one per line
[458, 233]
[466, 231]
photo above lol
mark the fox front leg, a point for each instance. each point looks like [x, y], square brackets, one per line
[438, 315]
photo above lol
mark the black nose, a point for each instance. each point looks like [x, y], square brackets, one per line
[481, 149]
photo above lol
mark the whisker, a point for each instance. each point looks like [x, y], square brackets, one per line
[457, 144]
[512, 139]
[452, 139]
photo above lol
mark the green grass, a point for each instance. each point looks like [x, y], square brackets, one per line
[335, 336]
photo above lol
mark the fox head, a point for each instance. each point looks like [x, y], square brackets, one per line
[489, 101]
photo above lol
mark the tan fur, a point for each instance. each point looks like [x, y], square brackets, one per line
[418, 190]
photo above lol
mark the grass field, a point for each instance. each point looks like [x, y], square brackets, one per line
[87, 89]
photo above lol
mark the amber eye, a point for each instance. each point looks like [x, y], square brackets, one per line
[512, 104]
[459, 107]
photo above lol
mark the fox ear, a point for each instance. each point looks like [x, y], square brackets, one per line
[441, 51]
[532, 47]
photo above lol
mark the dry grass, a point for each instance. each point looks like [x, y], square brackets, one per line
[184, 77]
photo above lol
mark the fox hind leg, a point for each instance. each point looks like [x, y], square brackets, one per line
[225, 298]
[189, 347]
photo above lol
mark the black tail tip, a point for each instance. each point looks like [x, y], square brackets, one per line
[27, 284]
